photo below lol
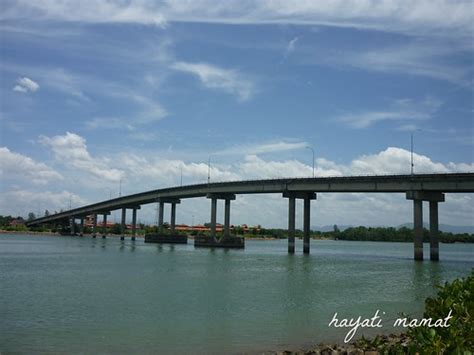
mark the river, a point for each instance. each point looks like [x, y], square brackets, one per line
[84, 295]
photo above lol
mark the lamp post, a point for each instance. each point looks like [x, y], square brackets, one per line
[209, 170]
[120, 188]
[312, 151]
[411, 151]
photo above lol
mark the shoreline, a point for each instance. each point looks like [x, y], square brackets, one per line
[362, 346]
[53, 234]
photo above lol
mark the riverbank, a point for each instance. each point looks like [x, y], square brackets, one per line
[359, 347]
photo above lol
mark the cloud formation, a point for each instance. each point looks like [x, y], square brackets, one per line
[429, 17]
[71, 151]
[399, 111]
[14, 166]
[227, 80]
[25, 85]
[141, 173]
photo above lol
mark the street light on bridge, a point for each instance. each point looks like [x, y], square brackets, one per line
[209, 169]
[411, 150]
[312, 151]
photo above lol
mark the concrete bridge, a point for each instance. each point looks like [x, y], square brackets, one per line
[417, 188]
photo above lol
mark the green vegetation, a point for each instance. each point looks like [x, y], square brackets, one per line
[458, 338]
[390, 234]
[381, 234]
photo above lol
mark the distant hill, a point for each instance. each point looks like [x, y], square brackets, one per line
[443, 227]
[330, 228]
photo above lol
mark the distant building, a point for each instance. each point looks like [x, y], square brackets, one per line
[17, 222]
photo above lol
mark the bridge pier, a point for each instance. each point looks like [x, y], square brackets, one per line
[227, 218]
[227, 198]
[104, 225]
[81, 227]
[213, 219]
[161, 236]
[134, 223]
[227, 241]
[173, 218]
[306, 197]
[433, 197]
[434, 228]
[291, 224]
[73, 226]
[94, 225]
[161, 211]
[122, 224]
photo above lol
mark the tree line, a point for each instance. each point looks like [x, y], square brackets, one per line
[381, 234]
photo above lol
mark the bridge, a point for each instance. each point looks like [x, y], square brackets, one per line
[417, 188]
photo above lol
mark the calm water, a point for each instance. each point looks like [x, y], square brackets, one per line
[72, 294]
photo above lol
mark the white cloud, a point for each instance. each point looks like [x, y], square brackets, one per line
[431, 17]
[109, 123]
[141, 173]
[420, 59]
[291, 46]
[400, 110]
[26, 85]
[71, 151]
[166, 172]
[211, 76]
[90, 11]
[271, 147]
[14, 166]
[21, 202]
[148, 111]
[397, 161]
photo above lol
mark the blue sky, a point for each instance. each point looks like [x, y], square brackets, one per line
[144, 92]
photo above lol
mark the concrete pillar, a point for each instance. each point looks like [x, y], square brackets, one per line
[161, 210]
[94, 225]
[173, 218]
[418, 228]
[122, 225]
[213, 217]
[134, 223]
[73, 226]
[104, 227]
[227, 218]
[418, 197]
[434, 242]
[306, 225]
[291, 224]
[81, 229]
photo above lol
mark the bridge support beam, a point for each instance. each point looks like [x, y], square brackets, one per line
[122, 224]
[94, 225]
[134, 223]
[306, 197]
[418, 197]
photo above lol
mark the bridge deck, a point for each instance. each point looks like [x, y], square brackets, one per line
[456, 182]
